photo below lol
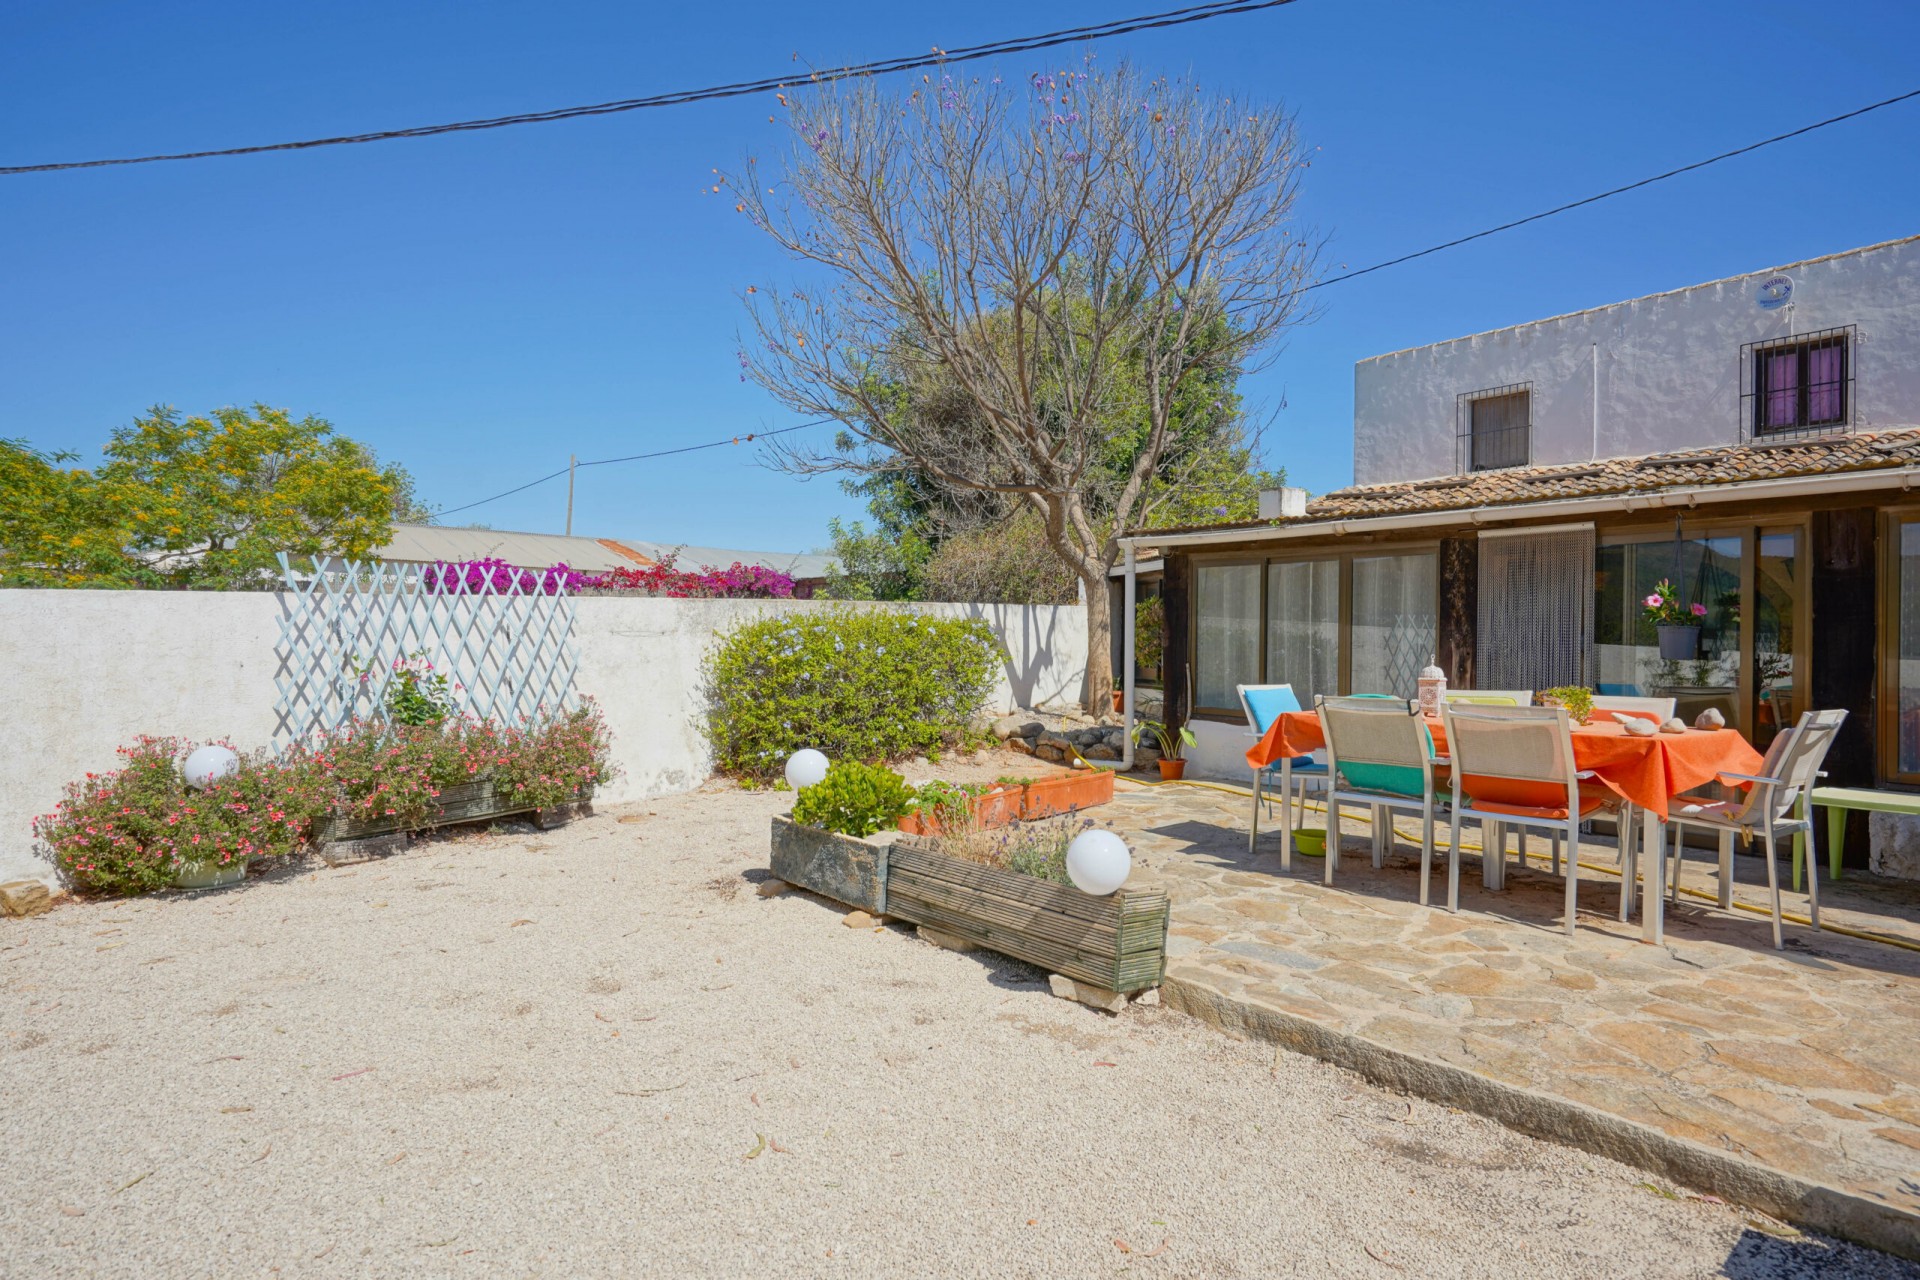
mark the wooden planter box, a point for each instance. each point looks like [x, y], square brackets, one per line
[1117, 942]
[1067, 793]
[995, 809]
[847, 869]
[347, 840]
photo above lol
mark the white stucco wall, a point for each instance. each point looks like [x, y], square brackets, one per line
[83, 672]
[1669, 368]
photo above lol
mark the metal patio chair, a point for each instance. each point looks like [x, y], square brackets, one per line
[1379, 755]
[1263, 704]
[1767, 810]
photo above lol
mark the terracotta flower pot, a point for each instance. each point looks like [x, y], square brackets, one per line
[1172, 770]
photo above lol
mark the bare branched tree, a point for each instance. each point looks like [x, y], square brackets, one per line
[1012, 282]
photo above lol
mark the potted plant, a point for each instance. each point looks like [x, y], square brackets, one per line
[1677, 624]
[1171, 741]
[1577, 700]
[1008, 891]
[836, 840]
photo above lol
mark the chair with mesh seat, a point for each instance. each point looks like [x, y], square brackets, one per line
[1767, 810]
[1514, 766]
[1490, 697]
[1379, 756]
[1263, 704]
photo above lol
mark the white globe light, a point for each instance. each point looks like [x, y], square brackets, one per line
[208, 764]
[1098, 862]
[805, 767]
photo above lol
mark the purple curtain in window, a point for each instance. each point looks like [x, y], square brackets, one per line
[1782, 390]
[1823, 384]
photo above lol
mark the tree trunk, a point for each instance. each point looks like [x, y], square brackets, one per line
[1099, 645]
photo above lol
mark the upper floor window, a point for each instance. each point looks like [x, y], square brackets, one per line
[1801, 385]
[1495, 427]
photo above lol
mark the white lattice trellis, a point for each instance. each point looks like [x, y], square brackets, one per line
[511, 651]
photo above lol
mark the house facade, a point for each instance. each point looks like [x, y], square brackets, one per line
[1754, 442]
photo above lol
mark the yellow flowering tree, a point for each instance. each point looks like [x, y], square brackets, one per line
[202, 502]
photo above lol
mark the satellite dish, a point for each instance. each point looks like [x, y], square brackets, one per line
[1774, 292]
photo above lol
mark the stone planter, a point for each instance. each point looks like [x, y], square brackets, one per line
[995, 809]
[343, 840]
[1068, 793]
[847, 869]
[1118, 943]
[210, 875]
[1679, 644]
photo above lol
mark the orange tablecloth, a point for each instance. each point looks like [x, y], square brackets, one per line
[1647, 771]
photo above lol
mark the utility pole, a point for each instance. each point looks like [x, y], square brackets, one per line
[571, 459]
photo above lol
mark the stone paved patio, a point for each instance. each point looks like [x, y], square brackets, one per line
[1788, 1076]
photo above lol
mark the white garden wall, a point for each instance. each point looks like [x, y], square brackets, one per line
[82, 672]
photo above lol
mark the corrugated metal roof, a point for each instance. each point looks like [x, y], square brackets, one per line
[428, 544]
[795, 564]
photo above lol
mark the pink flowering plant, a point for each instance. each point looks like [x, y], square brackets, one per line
[1664, 608]
[494, 576]
[132, 830]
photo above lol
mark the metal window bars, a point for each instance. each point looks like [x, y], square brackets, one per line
[509, 653]
[1493, 428]
[1798, 387]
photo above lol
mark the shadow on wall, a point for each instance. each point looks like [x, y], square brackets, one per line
[1031, 644]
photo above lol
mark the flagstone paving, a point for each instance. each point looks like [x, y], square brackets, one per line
[1806, 1061]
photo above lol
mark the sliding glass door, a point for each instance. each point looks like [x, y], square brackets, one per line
[1740, 652]
[1364, 623]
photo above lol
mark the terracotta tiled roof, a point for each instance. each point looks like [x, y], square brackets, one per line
[1688, 468]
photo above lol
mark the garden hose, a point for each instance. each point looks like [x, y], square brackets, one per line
[1367, 817]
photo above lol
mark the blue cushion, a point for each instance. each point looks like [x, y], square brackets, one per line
[1301, 764]
[1394, 779]
[1268, 705]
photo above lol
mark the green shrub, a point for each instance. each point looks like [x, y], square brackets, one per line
[870, 685]
[854, 799]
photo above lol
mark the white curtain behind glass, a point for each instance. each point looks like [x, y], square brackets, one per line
[1536, 611]
[1394, 624]
[1303, 627]
[1226, 642]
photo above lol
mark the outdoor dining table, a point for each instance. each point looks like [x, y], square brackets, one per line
[1647, 771]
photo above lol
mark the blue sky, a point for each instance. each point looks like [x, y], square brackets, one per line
[479, 306]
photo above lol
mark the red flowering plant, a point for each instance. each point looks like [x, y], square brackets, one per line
[133, 829]
[736, 582]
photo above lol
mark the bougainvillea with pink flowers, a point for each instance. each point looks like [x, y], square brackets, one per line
[494, 576]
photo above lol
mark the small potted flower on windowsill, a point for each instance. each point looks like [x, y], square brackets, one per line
[1172, 741]
[1677, 624]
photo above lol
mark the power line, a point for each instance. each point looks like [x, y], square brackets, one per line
[1631, 186]
[682, 97]
[637, 457]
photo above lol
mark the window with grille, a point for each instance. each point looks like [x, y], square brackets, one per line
[1495, 427]
[1803, 385]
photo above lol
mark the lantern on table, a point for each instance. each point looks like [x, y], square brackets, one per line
[1433, 688]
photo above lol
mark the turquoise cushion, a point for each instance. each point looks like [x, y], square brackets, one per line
[1394, 779]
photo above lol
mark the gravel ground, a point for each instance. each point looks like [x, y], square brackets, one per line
[599, 1052]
